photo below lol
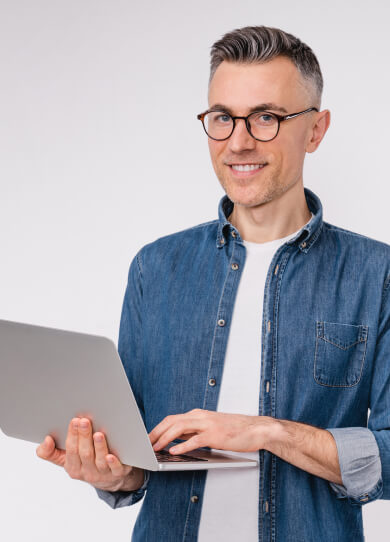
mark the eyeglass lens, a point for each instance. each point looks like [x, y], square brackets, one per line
[219, 125]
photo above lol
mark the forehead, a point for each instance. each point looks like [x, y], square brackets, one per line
[241, 86]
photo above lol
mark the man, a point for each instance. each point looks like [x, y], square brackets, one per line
[265, 332]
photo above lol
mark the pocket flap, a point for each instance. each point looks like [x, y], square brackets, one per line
[341, 335]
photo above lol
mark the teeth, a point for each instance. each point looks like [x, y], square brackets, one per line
[246, 167]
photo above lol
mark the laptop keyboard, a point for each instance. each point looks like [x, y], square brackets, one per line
[165, 456]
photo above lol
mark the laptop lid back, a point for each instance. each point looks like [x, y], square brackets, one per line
[48, 376]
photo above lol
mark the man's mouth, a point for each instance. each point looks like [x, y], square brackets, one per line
[246, 167]
[241, 171]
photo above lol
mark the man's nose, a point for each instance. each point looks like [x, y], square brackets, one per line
[241, 139]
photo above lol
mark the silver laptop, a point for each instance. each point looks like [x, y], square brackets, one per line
[48, 376]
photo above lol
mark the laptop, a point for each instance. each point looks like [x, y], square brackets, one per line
[48, 376]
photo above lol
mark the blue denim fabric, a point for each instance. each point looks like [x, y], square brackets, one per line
[325, 361]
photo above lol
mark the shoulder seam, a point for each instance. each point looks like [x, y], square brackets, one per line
[185, 230]
[139, 263]
[354, 234]
[385, 293]
[202, 225]
[342, 230]
[387, 283]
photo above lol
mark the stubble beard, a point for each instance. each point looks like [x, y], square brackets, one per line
[263, 191]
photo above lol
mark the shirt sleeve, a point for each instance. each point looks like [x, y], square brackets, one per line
[357, 453]
[360, 463]
[379, 419]
[131, 354]
[119, 499]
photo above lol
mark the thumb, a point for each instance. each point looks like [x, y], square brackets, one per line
[47, 450]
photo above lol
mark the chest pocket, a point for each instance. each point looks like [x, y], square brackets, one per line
[339, 354]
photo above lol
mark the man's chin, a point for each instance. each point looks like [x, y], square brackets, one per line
[247, 196]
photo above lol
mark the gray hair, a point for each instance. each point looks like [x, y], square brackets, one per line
[263, 43]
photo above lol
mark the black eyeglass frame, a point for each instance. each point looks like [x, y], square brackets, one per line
[280, 118]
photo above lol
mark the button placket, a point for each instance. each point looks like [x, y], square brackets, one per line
[267, 406]
[232, 259]
[235, 259]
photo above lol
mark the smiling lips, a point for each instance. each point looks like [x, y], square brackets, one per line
[246, 167]
[245, 170]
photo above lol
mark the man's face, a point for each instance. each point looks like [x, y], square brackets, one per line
[239, 88]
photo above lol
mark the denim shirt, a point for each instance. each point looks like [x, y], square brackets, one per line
[325, 362]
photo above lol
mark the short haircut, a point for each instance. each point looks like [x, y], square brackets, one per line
[258, 44]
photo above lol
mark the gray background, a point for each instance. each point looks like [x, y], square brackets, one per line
[101, 152]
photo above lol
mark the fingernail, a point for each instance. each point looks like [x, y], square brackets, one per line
[173, 450]
[98, 438]
[110, 459]
[84, 424]
[75, 424]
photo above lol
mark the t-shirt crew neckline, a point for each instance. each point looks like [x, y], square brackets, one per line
[270, 244]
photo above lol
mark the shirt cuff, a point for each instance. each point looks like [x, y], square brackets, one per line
[119, 499]
[360, 464]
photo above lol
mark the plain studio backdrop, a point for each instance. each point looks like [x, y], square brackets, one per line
[101, 153]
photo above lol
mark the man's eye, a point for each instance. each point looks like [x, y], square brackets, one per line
[222, 118]
[264, 119]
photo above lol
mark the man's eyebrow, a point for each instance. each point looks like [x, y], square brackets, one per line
[269, 106]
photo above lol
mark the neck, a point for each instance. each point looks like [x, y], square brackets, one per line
[273, 219]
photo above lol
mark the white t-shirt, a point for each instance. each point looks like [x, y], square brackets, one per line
[231, 496]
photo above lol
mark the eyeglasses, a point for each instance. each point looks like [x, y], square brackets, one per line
[262, 125]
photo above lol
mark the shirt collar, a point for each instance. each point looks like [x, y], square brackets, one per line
[305, 238]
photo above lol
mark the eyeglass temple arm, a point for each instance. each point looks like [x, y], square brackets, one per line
[286, 117]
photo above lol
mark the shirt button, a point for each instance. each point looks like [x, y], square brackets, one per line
[234, 266]
[194, 498]
[234, 234]
[221, 322]
[222, 240]
[303, 244]
[212, 382]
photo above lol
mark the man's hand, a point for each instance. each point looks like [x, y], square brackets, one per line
[87, 458]
[235, 432]
[310, 448]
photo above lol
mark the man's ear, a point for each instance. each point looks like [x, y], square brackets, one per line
[318, 130]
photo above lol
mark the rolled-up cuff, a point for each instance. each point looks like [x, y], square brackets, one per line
[360, 464]
[119, 499]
